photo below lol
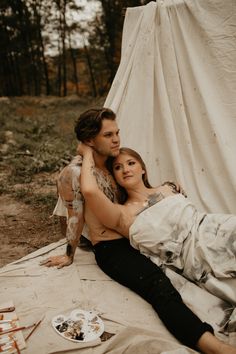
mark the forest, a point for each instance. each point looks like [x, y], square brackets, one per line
[49, 48]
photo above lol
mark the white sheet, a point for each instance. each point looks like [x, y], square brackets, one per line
[175, 96]
[201, 246]
[37, 291]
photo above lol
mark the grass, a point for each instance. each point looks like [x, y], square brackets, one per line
[41, 137]
[36, 139]
[46, 201]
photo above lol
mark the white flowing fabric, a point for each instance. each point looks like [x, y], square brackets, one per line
[175, 96]
[202, 246]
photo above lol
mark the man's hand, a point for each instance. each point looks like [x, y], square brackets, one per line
[57, 261]
[176, 187]
[180, 189]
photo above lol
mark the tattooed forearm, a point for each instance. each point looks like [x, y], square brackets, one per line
[71, 231]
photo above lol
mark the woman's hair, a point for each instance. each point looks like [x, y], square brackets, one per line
[127, 151]
[89, 123]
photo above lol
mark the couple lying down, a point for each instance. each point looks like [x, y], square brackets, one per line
[164, 225]
[113, 252]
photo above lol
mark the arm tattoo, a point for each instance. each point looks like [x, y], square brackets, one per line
[151, 200]
[154, 198]
[92, 170]
[68, 250]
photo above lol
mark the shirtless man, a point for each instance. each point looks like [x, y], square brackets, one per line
[113, 253]
[103, 135]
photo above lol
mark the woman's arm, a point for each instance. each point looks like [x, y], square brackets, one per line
[108, 213]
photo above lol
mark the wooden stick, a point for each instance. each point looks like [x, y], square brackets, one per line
[32, 331]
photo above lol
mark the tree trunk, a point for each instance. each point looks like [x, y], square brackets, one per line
[75, 73]
[63, 38]
[93, 83]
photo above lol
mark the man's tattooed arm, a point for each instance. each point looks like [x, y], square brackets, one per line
[175, 187]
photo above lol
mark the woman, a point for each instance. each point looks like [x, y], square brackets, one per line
[165, 226]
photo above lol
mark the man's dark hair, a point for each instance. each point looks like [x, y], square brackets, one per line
[89, 123]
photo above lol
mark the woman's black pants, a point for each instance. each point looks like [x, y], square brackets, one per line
[127, 266]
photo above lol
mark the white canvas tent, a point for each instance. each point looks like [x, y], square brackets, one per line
[174, 97]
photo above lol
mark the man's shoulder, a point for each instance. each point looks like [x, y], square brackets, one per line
[68, 180]
[73, 166]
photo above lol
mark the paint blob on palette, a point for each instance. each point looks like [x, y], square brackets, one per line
[79, 325]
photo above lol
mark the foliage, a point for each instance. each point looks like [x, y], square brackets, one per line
[41, 136]
[39, 53]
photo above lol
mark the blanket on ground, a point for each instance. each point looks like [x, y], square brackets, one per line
[37, 291]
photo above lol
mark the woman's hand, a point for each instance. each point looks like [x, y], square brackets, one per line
[83, 149]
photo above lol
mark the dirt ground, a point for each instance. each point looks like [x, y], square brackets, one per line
[36, 142]
[25, 228]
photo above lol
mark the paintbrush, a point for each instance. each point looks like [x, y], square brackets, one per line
[17, 347]
[34, 328]
[17, 329]
[8, 309]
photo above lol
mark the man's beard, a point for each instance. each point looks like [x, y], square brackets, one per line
[105, 153]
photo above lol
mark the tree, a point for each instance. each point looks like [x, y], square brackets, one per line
[39, 54]
[106, 31]
[22, 49]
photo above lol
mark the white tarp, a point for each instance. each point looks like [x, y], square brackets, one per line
[38, 291]
[175, 96]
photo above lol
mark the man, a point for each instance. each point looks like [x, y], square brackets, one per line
[114, 255]
[98, 128]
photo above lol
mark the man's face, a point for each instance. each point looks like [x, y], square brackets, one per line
[107, 142]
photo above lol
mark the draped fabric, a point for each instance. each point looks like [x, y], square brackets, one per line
[201, 246]
[175, 96]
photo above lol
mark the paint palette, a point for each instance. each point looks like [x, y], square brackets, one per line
[79, 325]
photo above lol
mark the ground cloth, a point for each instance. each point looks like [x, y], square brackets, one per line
[37, 291]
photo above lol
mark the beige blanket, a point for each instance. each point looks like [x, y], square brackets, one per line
[37, 291]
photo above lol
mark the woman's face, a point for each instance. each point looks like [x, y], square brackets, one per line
[127, 170]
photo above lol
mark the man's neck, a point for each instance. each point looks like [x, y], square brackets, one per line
[100, 161]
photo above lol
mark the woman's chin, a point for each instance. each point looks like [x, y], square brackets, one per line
[127, 183]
